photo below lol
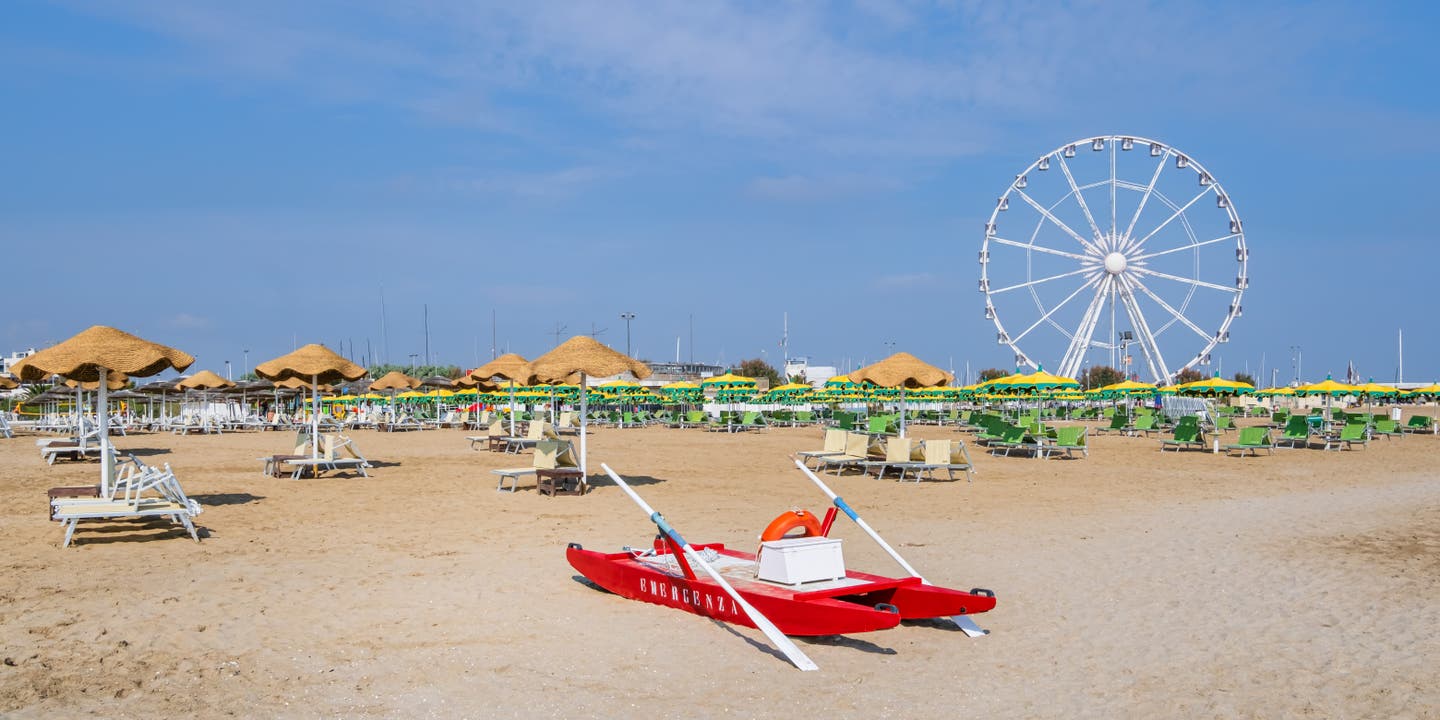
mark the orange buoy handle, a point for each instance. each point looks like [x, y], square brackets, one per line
[789, 520]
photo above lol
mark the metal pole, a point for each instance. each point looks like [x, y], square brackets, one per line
[627, 317]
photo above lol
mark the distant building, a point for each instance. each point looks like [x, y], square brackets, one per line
[815, 375]
[10, 360]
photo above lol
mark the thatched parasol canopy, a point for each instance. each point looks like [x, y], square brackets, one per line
[310, 362]
[395, 380]
[7, 382]
[113, 381]
[902, 370]
[81, 357]
[436, 381]
[584, 354]
[204, 380]
[509, 366]
[298, 383]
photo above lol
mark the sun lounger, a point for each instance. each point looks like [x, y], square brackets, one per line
[536, 431]
[1186, 435]
[1349, 436]
[1252, 440]
[834, 445]
[1014, 438]
[496, 432]
[948, 455]
[1386, 429]
[1118, 423]
[900, 455]
[1070, 439]
[1297, 431]
[337, 453]
[858, 448]
[550, 455]
[1419, 424]
[159, 495]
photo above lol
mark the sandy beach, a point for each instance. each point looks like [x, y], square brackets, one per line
[1130, 584]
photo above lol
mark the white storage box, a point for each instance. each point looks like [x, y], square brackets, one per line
[792, 561]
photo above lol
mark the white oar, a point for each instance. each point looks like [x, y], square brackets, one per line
[778, 638]
[965, 623]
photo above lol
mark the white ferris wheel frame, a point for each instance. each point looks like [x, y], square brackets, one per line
[1112, 264]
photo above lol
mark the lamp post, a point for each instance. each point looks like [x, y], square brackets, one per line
[627, 317]
[412, 361]
[247, 361]
[228, 374]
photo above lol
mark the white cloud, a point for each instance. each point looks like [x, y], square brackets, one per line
[186, 321]
[803, 188]
[906, 281]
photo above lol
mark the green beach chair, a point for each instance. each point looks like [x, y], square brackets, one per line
[1297, 430]
[1186, 435]
[1069, 440]
[1252, 440]
[1350, 435]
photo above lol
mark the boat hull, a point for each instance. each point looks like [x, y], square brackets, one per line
[863, 603]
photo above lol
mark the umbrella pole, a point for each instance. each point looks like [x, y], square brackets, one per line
[106, 467]
[512, 408]
[902, 411]
[584, 421]
[315, 416]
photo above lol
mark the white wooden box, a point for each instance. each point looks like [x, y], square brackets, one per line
[800, 560]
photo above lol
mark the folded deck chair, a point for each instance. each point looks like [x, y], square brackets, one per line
[549, 455]
[834, 445]
[1252, 440]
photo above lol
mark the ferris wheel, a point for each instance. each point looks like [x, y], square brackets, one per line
[1112, 242]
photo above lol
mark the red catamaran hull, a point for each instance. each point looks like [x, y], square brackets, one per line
[873, 602]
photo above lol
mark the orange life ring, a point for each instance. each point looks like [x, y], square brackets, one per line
[789, 520]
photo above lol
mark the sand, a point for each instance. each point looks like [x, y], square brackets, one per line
[1130, 584]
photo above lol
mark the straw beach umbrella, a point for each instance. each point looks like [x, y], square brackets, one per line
[510, 366]
[90, 357]
[585, 356]
[393, 382]
[7, 382]
[902, 370]
[204, 381]
[318, 364]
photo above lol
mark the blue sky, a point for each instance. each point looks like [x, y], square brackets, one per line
[225, 177]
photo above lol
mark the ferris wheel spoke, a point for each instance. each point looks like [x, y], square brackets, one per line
[1135, 283]
[1055, 309]
[1148, 344]
[1172, 217]
[1113, 159]
[1080, 341]
[1042, 249]
[1058, 223]
[1187, 281]
[1032, 283]
[1149, 190]
[1183, 248]
[1079, 197]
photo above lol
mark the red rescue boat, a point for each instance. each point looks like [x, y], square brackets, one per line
[841, 601]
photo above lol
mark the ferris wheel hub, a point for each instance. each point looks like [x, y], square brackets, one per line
[1115, 263]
